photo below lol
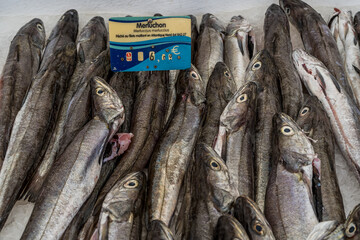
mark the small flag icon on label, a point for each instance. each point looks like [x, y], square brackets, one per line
[128, 56]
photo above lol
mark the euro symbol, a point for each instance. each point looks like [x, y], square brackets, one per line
[175, 51]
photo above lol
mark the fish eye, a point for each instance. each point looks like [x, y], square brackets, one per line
[214, 165]
[304, 111]
[242, 98]
[131, 184]
[100, 91]
[350, 230]
[256, 65]
[258, 228]
[287, 10]
[194, 75]
[40, 27]
[94, 60]
[286, 130]
[227, 74]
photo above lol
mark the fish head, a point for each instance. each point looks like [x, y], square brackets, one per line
[275, 13]
[223, 76]
[309, 115]
[259, 67]
[217, 179]
[229, 228]
[209, 20]
[352, 224]
[159, 231]
[125, 198]
[292, 141]
[241, 107]
[68, 24]
[295, 10]
[238, 24]
[191, 86]
[36, 31]
[250, 216]
[107, 104]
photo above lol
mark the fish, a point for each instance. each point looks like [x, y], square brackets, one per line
[351, 56]
[31, 125]
[159, 231]
[213, 193]
[75, 173]
[239, 47]
[21, 66]
[194, 36]
[64, 32]
[334, 28]
[248, 213]
[238, 118]
[210, 45]
[278, 43]
[343, 113]
[330, 230]
[122, 209]
[91, 42]
[219, 91]
[229, 228]
[147, 124]
[317, 38]
[352, 224]
[171, 157]
[314, 121]
[357, 25]
[289, 207]
[262, 70]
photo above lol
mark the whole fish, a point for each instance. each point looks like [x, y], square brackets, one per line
[91, 42]
[238, 118]
[317, 38]
[147, 124]
[278, 44]
[173, 152]
[220, 89]
[357, 25]
[262, 70]
[228, 228]
[31, 125]
[329, 230]
[239, 47]
[248, 213]
[194, 36]
[21, 66]
[343, 113]
[213, 193]
[64, 32]
[345, 32]
[210, 45]
[352, 224]
[313, 120]
[124, 85]
[121, 213]
[77, 170]
[159, 231]
[289, 207]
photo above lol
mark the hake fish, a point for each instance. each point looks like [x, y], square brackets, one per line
[91, 42]
[239, 47]
[345, 32]
[31, 125]
[77, 170]
[315, 123]
[173, 152]
[228, 228]
[210, 46]
[278, 44]
[317, 38]
[238, 119]
[21, 66]
[248, 213]
[289, 206]
[342, 111]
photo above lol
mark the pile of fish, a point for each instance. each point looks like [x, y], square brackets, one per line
[239, 146]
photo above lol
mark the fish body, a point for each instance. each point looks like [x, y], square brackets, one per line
[194, 36]
[278, 44]
[357, 24]
[159, 231]
[21, 66]
[239, 47]
[343, 113]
